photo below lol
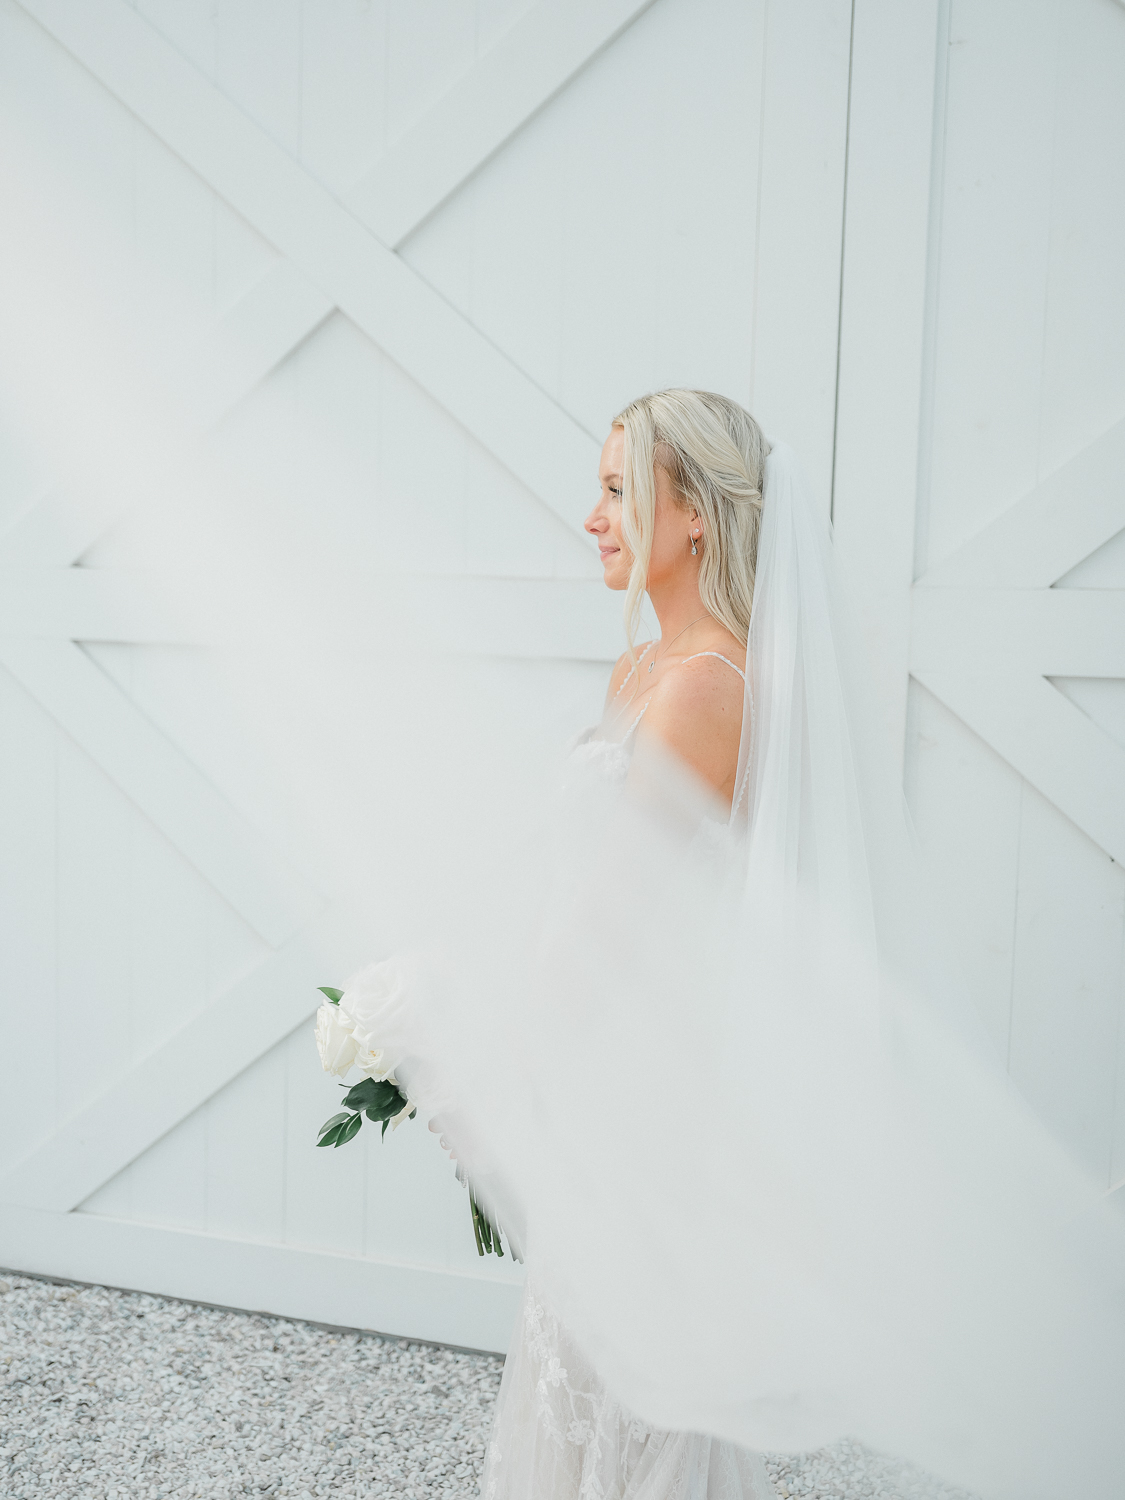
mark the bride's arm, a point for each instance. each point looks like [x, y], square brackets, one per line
[696, 713]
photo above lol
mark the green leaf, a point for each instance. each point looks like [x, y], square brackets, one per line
[334, 995]
[379, 1101]
[350, 1130]
[386, 1122]
[335, 1120]
[329, 1138]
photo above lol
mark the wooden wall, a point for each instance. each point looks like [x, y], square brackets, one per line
[419, 254]
[426, 250]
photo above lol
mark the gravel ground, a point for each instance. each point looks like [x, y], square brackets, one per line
[848, 1471]
[121, 1396]
[130, 1397]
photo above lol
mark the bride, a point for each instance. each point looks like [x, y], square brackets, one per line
[701, 1057]
[689, 538]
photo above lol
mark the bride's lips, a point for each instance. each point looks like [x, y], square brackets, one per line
[604, 552]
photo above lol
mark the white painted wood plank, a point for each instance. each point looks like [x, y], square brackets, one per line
[965, 804]
[429, 45]
[325, 1188]
[1064, 519]
[93, 604]
[1101, 699]
[139, 1107]
[96, 828]
[1053, 632]
[439, 348]
[570, 618]
[259, 331]
[990, 265]
[173, 224]
[804, 110]
[258, 63]
[164, 784]
[168, 1184]
[1084, 323]
[466, 1311]
[1061, 752]
[1067, 982]
[29, 903]
[530, 63]
[245, 1151]
[344, 93]
[882, 326]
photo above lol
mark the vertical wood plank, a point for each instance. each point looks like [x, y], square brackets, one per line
[174, 220]
[258, 62]
[343, 88]
[191, 24]
[1067, 981]
[995, 232]
[168, 1183]
[882, 325]
[429, 44]
[325, 1188]
[245, 1137]
[95, 926]
[965, 803]
[800, 228]
[29, 1094]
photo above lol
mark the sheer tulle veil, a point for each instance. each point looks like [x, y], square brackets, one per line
[718, 1076]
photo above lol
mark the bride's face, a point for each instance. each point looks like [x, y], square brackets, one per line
[671, 541]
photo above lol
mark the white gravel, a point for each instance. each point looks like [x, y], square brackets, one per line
[849, 1471]
[130, 1397]
[122, 1396]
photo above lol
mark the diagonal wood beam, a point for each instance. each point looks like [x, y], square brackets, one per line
[1050, 530]
[478, 385]
[255, 335]
[1048, 740]
[242, 865]
[531, 63]
[542, 52]
[175, 1079]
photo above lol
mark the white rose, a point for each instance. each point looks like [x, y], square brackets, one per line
[374, 1064]
[372, 1002]
[334, 1040]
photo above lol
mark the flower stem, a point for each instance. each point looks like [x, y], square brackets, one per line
[476, 1222]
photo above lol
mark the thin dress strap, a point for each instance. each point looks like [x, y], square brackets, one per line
[686, 659]
[632, 669]
[729, 663]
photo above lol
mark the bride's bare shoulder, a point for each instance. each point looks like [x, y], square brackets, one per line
[696, 710]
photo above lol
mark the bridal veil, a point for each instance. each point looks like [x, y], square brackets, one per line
[717, 1076]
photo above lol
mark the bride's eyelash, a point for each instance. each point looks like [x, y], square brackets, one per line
[613, 490]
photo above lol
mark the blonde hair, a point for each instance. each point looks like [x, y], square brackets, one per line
[714, 453]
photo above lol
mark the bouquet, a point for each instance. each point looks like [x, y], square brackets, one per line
[343, 1043]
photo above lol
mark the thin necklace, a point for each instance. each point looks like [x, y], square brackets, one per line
[674, 639]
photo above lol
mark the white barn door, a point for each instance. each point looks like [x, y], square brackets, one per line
[451, 238]
[999, 598]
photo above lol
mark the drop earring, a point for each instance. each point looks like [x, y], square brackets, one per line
[694, 548]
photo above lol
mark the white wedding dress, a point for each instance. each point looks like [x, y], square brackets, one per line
[716, 1081]
[557, 1433]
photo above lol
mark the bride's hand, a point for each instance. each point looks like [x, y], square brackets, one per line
[436, 1127]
